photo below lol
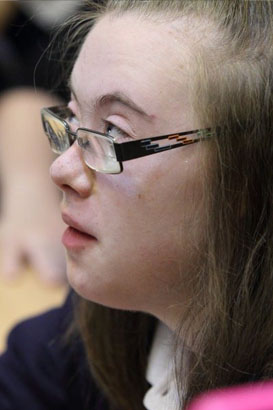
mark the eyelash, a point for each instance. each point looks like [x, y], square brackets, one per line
[122, 135]
[73, 122]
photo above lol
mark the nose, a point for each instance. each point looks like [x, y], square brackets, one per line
[69, 171]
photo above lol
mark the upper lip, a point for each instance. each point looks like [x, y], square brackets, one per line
[68, 220]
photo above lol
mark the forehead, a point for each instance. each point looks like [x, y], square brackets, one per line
[128, 51]
[133, 34]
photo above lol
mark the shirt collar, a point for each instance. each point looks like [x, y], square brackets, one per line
[160, 372]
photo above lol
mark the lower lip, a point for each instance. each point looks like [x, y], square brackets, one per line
[74, 239]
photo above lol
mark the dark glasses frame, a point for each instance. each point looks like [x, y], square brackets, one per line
[128, 150]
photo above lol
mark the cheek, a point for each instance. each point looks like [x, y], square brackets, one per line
[152, 208]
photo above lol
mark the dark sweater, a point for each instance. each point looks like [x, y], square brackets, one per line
[41, 371]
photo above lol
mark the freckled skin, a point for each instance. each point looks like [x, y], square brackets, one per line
[143, 218]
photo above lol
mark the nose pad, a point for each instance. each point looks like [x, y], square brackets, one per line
[70, 170]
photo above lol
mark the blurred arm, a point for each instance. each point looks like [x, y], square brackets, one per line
[30, 225]
[256, 396]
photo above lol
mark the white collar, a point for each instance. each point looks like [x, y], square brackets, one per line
[160, 373]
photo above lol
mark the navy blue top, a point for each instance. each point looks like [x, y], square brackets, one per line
[41, 371]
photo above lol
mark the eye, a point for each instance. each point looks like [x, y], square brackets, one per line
[73, 121]
[116, 132]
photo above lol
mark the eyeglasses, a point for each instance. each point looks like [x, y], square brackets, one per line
[100, 151]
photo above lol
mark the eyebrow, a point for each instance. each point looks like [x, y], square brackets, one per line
[121, 98]
[117, 96]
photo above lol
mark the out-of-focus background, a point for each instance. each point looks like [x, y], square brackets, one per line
[24, 297]
[32, 263]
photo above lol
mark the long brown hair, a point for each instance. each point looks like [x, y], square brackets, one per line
[227, 330]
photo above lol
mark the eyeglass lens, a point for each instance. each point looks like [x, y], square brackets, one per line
[98, 151]
[56, 133]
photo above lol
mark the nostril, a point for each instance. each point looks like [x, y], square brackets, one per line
[66, 188]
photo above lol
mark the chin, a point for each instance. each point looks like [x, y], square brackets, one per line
[93, 289]
[79, 280]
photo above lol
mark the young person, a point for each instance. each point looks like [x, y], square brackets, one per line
[166, 172]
